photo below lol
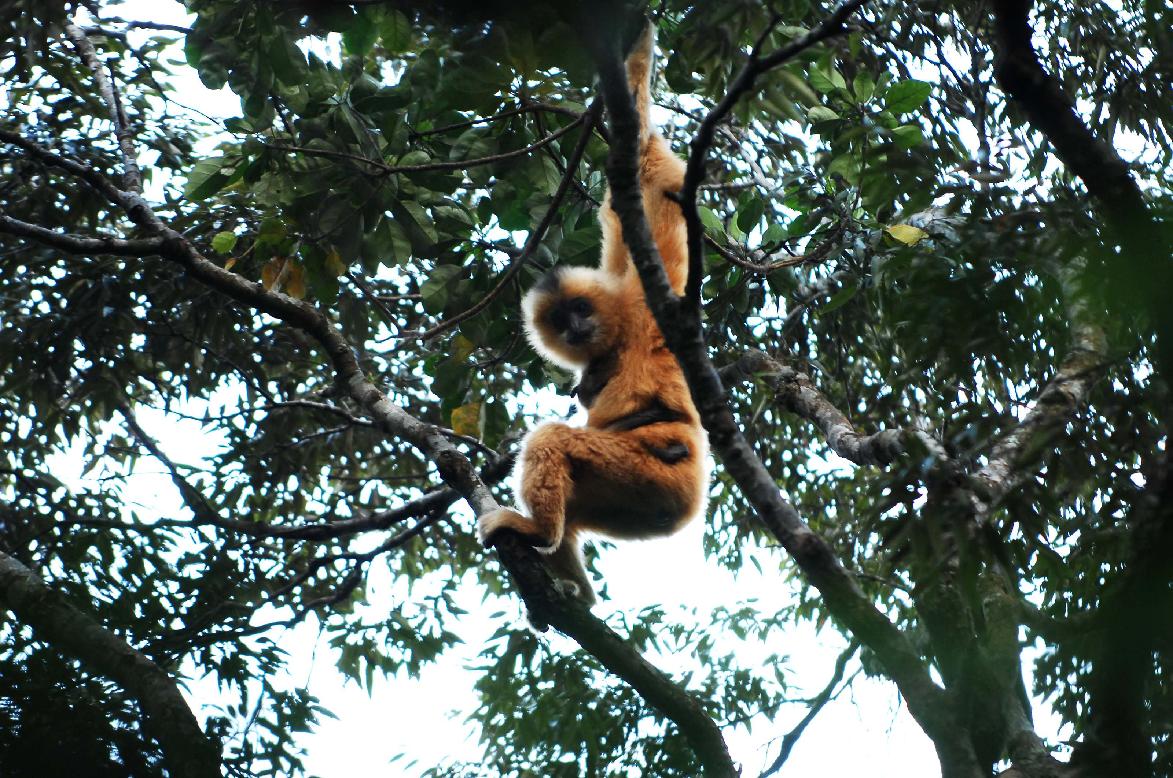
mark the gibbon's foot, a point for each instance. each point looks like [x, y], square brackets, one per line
[572, 589]
[491, 524]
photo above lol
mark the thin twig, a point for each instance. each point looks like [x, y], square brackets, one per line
[535, 237]
[460, 164]
[131, 175]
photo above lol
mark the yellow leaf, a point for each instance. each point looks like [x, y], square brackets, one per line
[271, 272]
[295, 281]
[462, 347]
[334, 263]
[466, 420]
[231, 263]
[906, 233]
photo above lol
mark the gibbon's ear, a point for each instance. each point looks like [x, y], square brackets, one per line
[572, 315]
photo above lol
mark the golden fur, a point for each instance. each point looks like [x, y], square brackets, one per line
[637, 469]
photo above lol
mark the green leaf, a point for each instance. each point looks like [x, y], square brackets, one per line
[775, 233]
[838, 300]
[223, 242]
[395, 30]
[359, 36]
[711, 221]
[863, 87]
[821, 114]
[905, 96]
[207, 177]
[750, 214]
[434, 291]
[820, 80]
[272, 230]
[908, 135]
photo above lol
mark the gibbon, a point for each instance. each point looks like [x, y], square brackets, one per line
[638, 467]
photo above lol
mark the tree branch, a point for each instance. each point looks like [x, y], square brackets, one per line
[1107, 178]
[78, 244]
[754, 66]
[53, 619]
[845, 601]
[1056, 403]
[817, 704]
[548, 604]
[429, 167]
[798, 394]
[539, 232]
[131, 175]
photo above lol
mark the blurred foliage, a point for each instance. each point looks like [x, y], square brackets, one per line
[384, 164]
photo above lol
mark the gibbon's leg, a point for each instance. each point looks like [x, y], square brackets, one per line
[545, 487]
[631, 484]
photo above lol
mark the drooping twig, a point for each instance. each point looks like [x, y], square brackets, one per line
[539, 232]
[817, 704]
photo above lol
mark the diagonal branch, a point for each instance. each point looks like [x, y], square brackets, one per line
[800, 396]
[754, 66]
[548, 604]
[1057, 402]
[188, 753]
[818, 562]
[816, 705]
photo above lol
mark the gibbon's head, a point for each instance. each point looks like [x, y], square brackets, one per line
[570, 316]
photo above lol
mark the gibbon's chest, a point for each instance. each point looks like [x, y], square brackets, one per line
[636, 379]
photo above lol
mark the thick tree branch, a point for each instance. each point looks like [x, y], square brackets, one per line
[79, 244]
[845, 601]
[548, 606]
[1063, 395]
[798, 394]
[53, 619]
[1133, 618]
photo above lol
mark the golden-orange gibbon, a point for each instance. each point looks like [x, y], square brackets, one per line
[638, 468]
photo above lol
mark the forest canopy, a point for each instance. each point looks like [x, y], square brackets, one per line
[931, 342]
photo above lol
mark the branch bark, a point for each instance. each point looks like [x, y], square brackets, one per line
[678, 319]
[131, 175]
[53, 619]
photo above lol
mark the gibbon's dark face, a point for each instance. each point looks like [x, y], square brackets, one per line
[574, 319]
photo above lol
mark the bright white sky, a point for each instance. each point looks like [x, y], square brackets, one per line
[865, 732]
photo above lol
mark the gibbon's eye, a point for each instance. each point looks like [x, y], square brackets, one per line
[580, 306]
